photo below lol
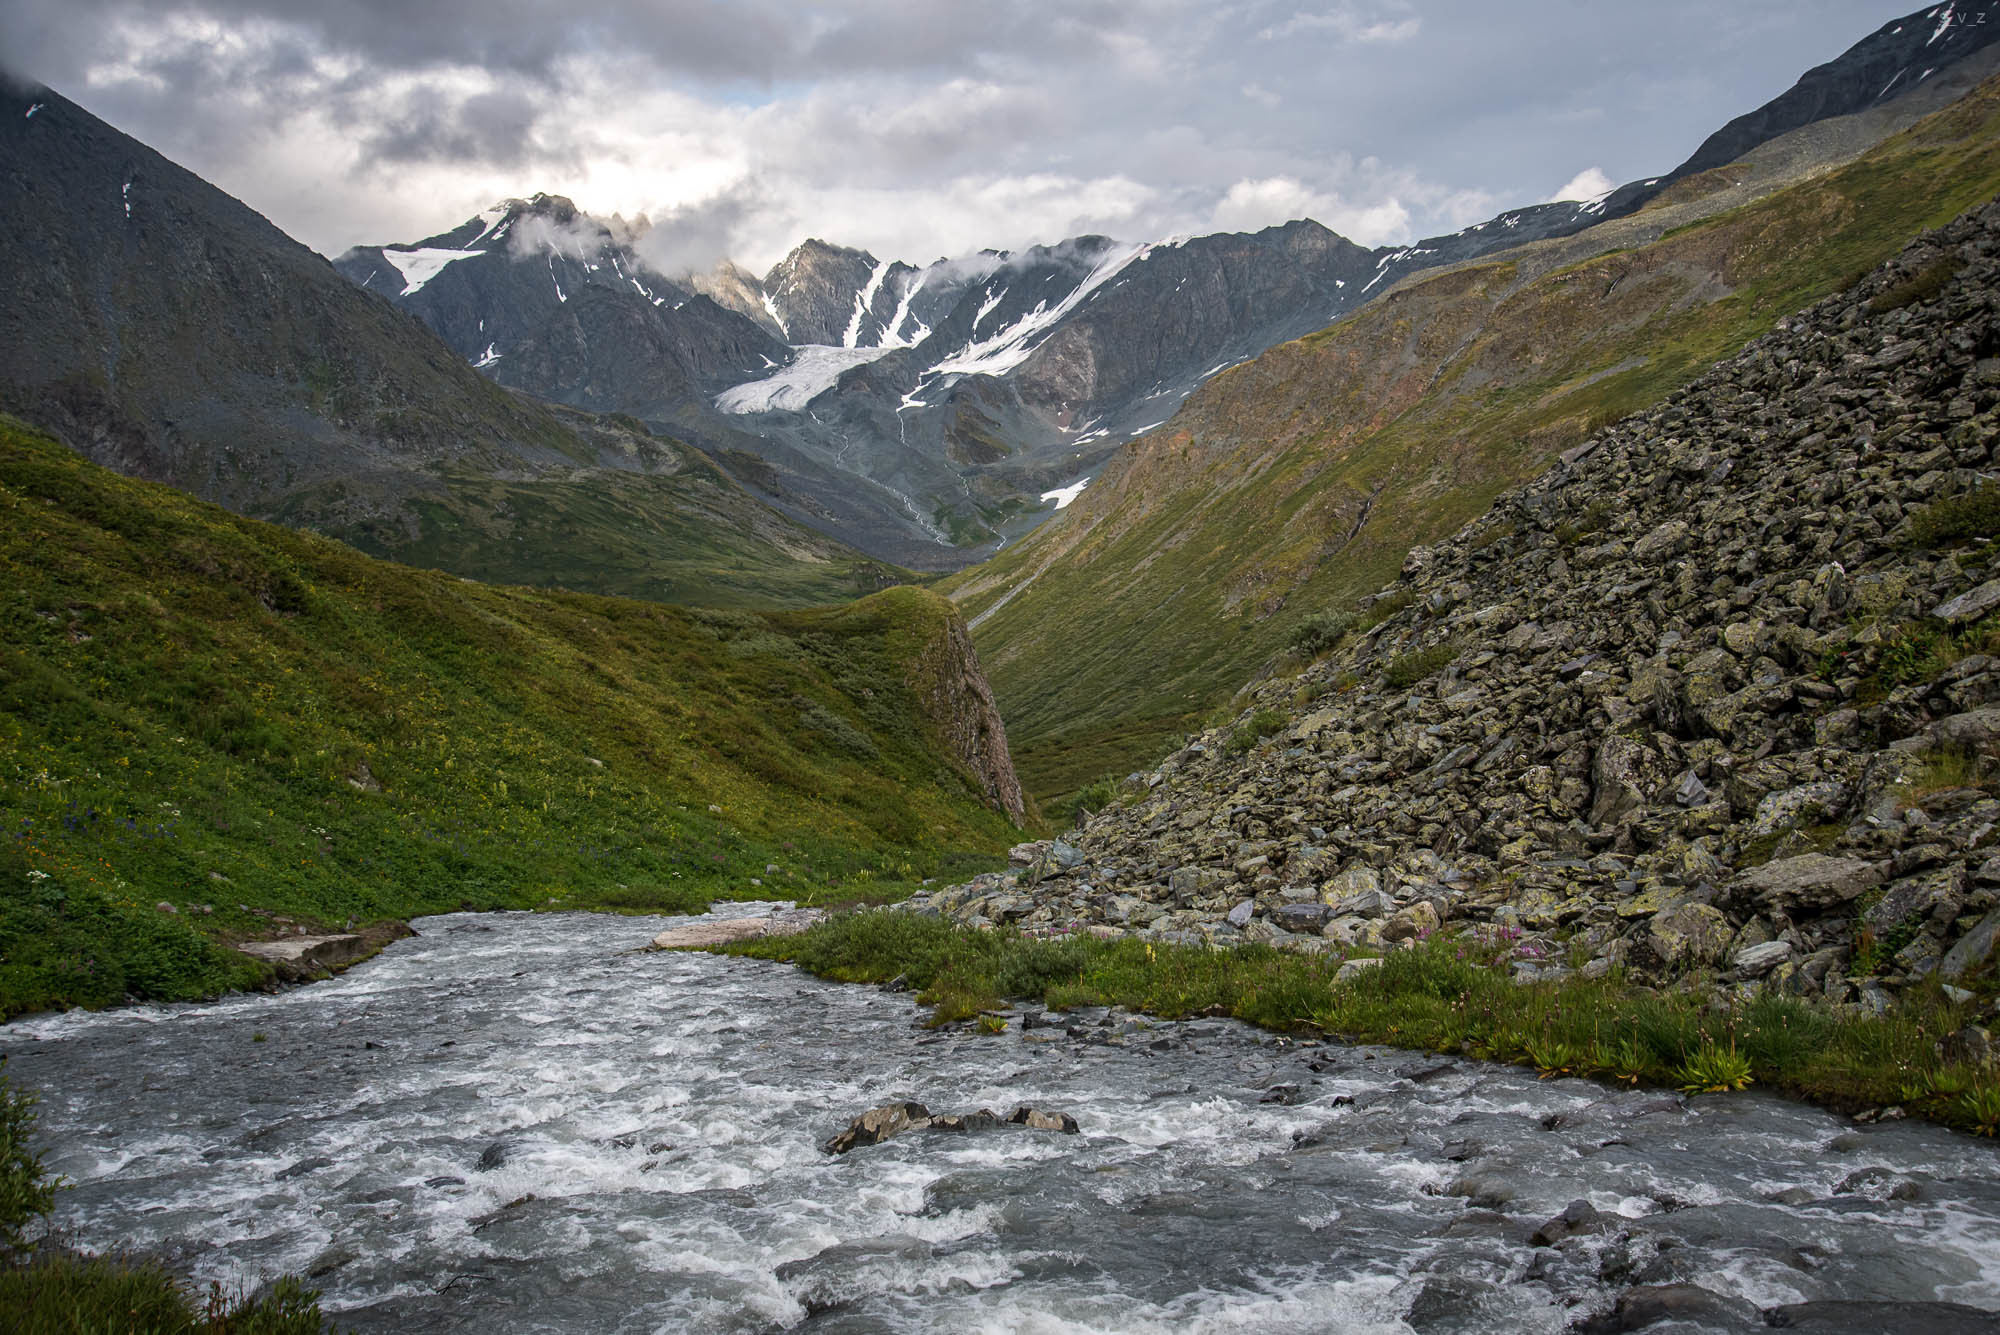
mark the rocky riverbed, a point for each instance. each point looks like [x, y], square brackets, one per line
[1719, 692]
[530, 1123]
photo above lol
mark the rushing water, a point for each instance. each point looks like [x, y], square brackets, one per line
[515, 1123]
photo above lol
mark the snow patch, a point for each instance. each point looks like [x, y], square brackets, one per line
[771, 309]
[32, 110]
[125, 197]
[421, 265]
[864, 301]
[492, 218]
[813, 371]
[1062, 496]
[488, 357]
[1014, 344]
[892, 336]
[1944, 24]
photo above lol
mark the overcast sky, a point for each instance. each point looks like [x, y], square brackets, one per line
[920, 128]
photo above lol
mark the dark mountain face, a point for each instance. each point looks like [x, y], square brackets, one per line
[546, 299]
[163, 328]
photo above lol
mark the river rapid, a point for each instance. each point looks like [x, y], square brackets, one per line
[515, 1123]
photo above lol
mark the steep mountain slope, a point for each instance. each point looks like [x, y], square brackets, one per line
[1717, 691]
[164, 329]
[201, 709]
[548, 300]
[1297, 482]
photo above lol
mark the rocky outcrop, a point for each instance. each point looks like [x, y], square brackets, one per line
[305, 959]
[953, 692]
[1711, 693]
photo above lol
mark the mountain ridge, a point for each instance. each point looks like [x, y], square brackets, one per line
[998, 380]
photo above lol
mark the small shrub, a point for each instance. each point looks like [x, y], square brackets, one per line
[1591, 521]
[1552, 1058]
[1920, 286]
[1264, 723]
[1411, 668]
[1970, 514]
[1317, 634]
[1489, 537]
[26, 1191]
[1096, 795]
[1979, 1110]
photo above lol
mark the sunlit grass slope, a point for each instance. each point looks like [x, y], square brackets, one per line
[198, 709]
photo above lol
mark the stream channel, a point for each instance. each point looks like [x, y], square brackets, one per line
[515, 1122]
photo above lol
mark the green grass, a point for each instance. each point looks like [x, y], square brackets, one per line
[1295, 485]
[1450, 994]
[208, 712]
[690, 537]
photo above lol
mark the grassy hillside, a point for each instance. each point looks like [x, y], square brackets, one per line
[1291, 486]
[236, 720]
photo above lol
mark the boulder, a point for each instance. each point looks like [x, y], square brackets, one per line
[1973, 949]
[1688, 934]
[895, 1119]
[1970, 605]
[879, 1124]
[1353, 969]
[1753, 962]
[1811, 881]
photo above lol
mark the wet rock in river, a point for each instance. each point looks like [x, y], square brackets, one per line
[894, 1119]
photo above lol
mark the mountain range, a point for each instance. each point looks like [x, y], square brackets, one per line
[928, 414]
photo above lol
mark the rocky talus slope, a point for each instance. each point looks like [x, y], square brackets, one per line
[1720, 689]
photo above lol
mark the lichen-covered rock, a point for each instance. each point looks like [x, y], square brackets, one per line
[1688, 934]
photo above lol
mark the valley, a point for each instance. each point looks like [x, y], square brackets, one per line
[553, 781]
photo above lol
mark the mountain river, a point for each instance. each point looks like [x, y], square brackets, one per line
[514, 1123]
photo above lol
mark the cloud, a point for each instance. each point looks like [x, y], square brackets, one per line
[1389, 23]
[1586, 184]
[909, 128]
[695, 237]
